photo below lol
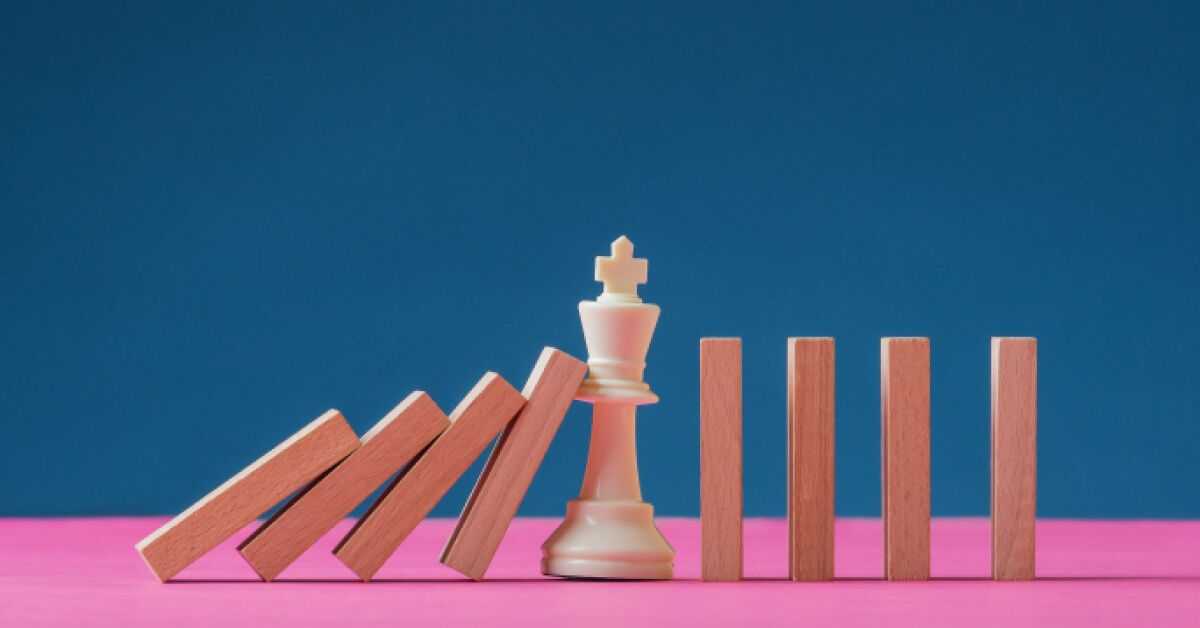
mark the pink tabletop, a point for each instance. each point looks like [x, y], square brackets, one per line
[85, 571]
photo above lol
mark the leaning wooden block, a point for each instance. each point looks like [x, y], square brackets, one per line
[392, 443]
[905, 410]
[247, 495]
[473, 424]
[720, 459]
[810, 406]
[512, 464]
[1014, 457]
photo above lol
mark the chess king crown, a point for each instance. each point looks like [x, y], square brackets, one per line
[617, 328]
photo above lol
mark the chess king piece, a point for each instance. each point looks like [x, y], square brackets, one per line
[609, 531]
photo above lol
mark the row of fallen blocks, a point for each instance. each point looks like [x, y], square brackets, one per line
[329, 470]
[904, 388]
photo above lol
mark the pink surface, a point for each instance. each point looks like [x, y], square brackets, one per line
[85, 571]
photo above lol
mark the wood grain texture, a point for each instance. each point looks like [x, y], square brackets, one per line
[810, 406]
[392, 443]
[721, 459]
[473, 424]
[247, 495]
[905, 409]
[513, 463]
[1014, 457]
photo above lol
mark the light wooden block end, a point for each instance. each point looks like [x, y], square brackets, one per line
[392, 443]
[1014, 457]
[513, 463]
[480, 416]
[247, 495]
[904, 378]
[721, 459]
[810, 412]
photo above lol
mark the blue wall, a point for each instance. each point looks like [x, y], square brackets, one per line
[219, 221]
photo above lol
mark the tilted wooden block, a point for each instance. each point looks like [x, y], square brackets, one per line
[1014, 457]
[247, 495]
[392, 443]
[512, 464]
[720, 459]
[810, 458]
[477, 419]
[905, 410]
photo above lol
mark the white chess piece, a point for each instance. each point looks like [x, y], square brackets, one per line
[609, 531]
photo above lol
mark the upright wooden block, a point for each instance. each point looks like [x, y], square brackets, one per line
[721, 459]
[810, 406]
[512, 464]
[905, 404]
[1014, 457]
[247, 495]
[392, 443]
[477, 419]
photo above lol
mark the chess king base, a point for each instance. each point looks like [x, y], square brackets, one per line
[608, 539]
[609, 531]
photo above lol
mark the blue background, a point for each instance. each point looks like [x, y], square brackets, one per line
[220, 220]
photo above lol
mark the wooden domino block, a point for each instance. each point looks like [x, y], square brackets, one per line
[247, 495]
[512, 464]
[810, 406]
[1014, 457]
[720, 459]
[905, 409]
[473, 424]
[392, 443]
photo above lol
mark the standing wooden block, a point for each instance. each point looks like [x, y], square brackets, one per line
[247, 495]
[720, 459]
[473, 424]
[905, 403]
[394, 441]
[810, 458]
[1014, 457]
[512, 464]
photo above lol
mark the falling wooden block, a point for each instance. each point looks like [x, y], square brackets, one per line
[512, 464]
[247, 495]
[392, 443]
[473, 424]
[810, 406]
[1014, 457]
[721, 459]
[905, 404]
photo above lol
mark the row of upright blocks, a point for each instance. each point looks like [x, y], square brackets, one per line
[904, 388]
